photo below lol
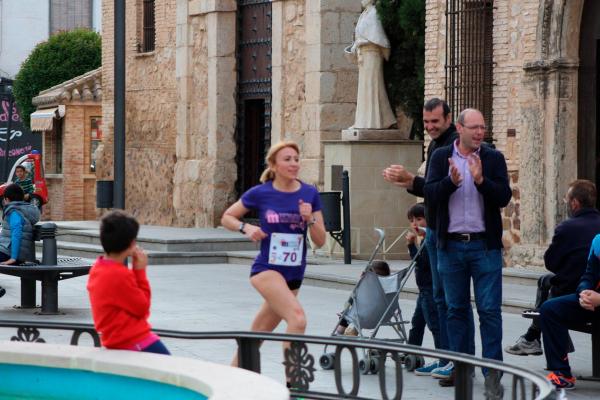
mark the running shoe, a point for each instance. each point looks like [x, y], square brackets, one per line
[443, 372]
[524, 347]
[560, 381]
[427, 369]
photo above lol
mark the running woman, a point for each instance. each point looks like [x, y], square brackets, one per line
[288, 209]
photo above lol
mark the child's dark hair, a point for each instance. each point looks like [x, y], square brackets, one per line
[118, 230]
[14, 192]
[20, 167]
[416, 211]
[380, 267]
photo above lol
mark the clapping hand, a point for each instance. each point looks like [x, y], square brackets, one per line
[398, 175]
[475, 168]
[455, 175]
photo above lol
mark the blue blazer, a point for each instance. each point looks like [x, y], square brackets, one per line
[495, 189]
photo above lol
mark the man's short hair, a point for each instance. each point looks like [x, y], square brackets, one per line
[380, 267]
[118, 230]
[14, 192]
[416, 211]
[584, 191]
[434, 103]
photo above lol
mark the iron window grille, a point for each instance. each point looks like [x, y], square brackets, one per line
[149, 27]
[469, 57]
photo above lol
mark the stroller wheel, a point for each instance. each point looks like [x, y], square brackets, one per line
[364, 365]
[420, 361]
[374, 366]
[410, 362]
[327, 360]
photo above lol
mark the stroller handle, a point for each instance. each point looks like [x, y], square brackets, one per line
[381, 234]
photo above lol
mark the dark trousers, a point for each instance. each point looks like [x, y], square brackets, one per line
[557, 316]
[157, 347]
[545, 291]
[425, 315]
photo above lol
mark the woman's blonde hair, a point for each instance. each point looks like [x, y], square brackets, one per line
[268, 174]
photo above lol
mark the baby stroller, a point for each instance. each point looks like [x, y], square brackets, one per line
[373, 304]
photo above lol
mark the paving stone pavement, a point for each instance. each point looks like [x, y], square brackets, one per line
[218, 297]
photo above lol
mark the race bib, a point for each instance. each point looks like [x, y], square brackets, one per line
[286, 249]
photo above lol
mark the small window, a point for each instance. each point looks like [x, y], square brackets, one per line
[148, 27]
[95, 140]
[53, 148]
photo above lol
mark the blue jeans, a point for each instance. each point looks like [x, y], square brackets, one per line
[439, 296]
[425, 315]
[457, 264]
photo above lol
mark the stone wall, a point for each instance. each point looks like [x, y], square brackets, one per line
[150, 113]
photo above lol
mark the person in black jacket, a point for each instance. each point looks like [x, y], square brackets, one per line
[565, 258]
[467, 184]
[437, 121]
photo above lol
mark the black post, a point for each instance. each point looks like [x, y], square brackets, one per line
[346, 205]
[249, 354]
[49, 250]
[463, 381]
[119, 104]
[8, 129]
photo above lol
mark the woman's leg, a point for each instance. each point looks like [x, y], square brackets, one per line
[280, 303]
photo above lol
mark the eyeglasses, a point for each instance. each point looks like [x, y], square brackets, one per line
[475, 127]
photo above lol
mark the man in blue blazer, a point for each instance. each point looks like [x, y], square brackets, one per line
[467, 184]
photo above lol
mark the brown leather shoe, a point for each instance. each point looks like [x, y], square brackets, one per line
[447, 382]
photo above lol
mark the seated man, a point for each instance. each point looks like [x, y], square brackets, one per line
[572, 311]
[565, 258]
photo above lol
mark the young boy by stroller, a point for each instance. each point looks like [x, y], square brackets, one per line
[425, 311]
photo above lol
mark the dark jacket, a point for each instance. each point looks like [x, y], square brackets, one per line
[568, 252]
[445, 139]
[422, 267]
[495, 190]
[591, 277]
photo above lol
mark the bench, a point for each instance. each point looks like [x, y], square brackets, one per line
[592, 328]
[52, 270]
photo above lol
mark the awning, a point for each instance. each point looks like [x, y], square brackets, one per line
[43, 120]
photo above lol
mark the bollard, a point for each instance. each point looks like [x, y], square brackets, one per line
[49, 249]
[346, 216]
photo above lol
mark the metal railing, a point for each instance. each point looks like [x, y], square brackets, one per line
[300, 367]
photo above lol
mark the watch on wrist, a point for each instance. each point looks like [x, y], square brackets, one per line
[241, 228]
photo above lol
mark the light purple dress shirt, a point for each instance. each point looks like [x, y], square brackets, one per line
[465, 207]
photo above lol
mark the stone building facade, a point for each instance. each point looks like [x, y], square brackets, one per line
[544, 105]
[182, 107]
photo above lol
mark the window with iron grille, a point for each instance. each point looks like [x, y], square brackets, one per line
[66, 15]
[148, 27]
[469, 57]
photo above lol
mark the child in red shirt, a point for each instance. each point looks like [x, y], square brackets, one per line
[120, 297]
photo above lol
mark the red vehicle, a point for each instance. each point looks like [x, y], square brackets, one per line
[33, 164]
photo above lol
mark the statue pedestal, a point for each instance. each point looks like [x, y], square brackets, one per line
[374, 134]
[374, 203]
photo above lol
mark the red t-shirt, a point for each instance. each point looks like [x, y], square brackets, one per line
[120, 299]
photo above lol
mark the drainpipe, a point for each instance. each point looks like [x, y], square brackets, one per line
[119, 104]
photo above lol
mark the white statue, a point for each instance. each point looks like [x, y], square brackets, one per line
[371, 46]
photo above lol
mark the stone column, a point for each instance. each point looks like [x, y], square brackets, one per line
[331, 80]
[205, 171]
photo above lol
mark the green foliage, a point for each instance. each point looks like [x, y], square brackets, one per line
[64, 56]
[404, 24]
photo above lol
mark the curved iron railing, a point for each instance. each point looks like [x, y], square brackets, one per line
[300, 364]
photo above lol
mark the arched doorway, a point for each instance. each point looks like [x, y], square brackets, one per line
[588, 145]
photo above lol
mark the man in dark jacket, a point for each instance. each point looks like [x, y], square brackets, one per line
[565, 258]
[437, 121]
[571, 311]
[467, 185]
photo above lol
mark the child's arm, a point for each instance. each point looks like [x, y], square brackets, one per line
[137, 301]
[16, 233]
